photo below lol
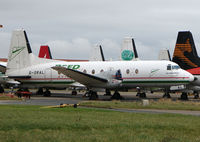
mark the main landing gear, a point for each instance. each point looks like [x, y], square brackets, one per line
[40, 91]
[1, 89]
[74, 92]
[140, 94]
[184, 96]
[47, 93]
[196, 94]
[93, 95]
[116, 96]
[108, 93]
[166, 95]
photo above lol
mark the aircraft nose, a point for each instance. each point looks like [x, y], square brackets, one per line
[191, 77]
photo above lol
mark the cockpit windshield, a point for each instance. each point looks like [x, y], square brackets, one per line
[173, 67]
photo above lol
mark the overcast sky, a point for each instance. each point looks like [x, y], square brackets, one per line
[72, 27]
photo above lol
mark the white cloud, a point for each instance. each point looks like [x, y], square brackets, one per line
[71, 26]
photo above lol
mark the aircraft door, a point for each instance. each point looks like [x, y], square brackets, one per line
[48, 74]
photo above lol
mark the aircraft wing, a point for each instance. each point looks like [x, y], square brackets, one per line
[83, 78]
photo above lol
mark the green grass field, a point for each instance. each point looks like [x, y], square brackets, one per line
[166, 104]
[36, 124]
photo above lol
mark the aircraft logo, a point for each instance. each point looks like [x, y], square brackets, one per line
[127, 55]
[16, 51]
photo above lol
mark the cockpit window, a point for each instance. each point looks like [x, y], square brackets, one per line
[169, 67]
[175, 67]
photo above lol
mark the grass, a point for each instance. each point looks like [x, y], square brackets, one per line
[166, 104]
[35, 124]
[7, 96]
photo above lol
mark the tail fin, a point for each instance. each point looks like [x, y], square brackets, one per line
[164, 55]
[185, 53]
[97, 53]
[128, 50]
[45, 52]
[102, 55]
[19, 50]
[20, 55]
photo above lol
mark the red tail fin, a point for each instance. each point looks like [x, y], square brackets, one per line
[45, 52]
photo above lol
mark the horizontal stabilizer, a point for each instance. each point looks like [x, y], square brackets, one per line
[81, 77]
[2, 67]
[19, 77]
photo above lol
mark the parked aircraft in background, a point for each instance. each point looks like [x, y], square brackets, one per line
[186, 56]
[120, 75]
[128, 51]
[45, 52]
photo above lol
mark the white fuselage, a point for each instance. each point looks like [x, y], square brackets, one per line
[134, 73]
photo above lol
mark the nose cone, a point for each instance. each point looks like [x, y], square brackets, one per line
[190, 76]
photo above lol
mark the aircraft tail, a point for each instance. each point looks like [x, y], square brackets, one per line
[20, 54]
[97, 53]
[185, 53]
[164, 55]
[45, 52]
[128, 50]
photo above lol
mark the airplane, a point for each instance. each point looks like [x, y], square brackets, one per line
[186, 56]
[34, 72]
[121, 75]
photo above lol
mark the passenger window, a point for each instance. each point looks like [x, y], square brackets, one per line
[127, 71]
[169, 67]
[93, 71]
[84, 71]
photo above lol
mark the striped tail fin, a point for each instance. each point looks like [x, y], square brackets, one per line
[185, 53]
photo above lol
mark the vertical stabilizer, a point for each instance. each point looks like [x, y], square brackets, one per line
[20, 49]
[45, 52]
[97, 53]
[20, 55]
[185, 53]
[128, 50]
[164, 55]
